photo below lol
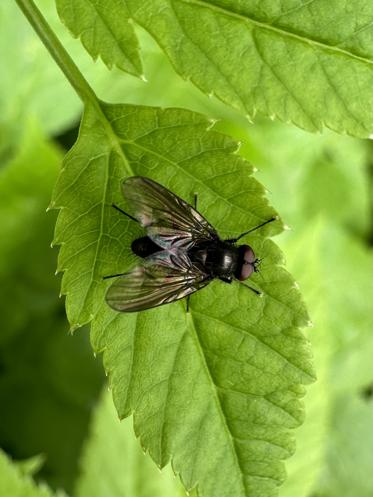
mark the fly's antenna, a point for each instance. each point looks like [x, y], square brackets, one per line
[125, 213]
[256, 264]
[234, 240]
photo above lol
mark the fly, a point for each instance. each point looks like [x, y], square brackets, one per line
[181, 253]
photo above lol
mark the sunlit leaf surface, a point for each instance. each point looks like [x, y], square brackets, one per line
[309, 63]
[215, 390]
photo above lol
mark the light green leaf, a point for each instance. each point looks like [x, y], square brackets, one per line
[15, 483]
[304, 468]
[307, 165]
[350, 446]
[309, 63]
[344, 256]
[335, 435]
[102, 34]
[217, 390]
[31, 465]
[114, 464]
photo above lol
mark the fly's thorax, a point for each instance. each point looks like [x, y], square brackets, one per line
[224, 260]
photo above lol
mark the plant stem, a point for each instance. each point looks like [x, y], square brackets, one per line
[70, 70]
[59, 54]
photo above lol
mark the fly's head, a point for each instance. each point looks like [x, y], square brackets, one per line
[249, 263]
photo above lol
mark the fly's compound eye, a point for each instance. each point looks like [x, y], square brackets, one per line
[248, 262]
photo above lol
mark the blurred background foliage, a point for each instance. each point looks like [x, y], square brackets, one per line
[57, 421]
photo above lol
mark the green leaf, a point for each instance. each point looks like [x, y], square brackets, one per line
[14, 483]
[25, 185]
[47, 379]
[306, 64]
[350, 445]
[102, 34]
[344, 256]
[307, 164]
[114, 464]
[335, 435]
[217, 390]
[32, 465]
[305, 467]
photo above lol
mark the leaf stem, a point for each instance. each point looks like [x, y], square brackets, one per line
[59, 54]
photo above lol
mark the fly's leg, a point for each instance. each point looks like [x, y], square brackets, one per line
[113, 276]
[235, 240]
[133, 219]
[251, 288]
[228, 279]
[125, 213]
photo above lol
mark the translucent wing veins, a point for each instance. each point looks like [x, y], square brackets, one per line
[164, 277]
[169, 220]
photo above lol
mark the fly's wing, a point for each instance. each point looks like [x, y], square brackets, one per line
[164, 277]
[169, 220]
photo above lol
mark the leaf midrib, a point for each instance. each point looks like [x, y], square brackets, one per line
[258, 340]
[114, 147]
[281, 31]
[215, 395]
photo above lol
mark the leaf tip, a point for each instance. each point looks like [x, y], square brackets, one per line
[74, 327]
[211, 123]
[250, 118]
[239, 145]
